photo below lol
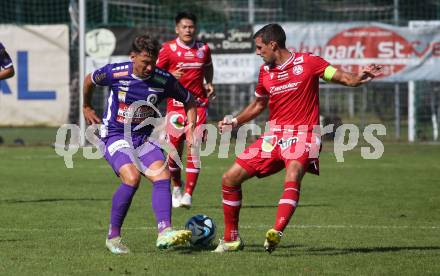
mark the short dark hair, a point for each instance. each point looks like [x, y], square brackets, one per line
[272, 32]
[186, 15]
[146, 43]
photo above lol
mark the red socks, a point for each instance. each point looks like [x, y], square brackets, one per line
[287, 205]
[231, 209]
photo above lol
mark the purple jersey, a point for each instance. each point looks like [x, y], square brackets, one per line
[5, 60]
[126, 88]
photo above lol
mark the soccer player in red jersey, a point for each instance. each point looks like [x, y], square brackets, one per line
[289, 84]
[190, 62]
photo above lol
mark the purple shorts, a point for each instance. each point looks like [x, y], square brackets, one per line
[142, 153]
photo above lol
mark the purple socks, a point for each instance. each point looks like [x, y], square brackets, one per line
[161, 202]
[120, 204]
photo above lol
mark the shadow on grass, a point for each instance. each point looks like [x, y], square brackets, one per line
[260, 206]
[43, 200]
[10, 241]
[330, 251]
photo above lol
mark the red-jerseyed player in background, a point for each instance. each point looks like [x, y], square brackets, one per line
[289, 84]
[190, 62]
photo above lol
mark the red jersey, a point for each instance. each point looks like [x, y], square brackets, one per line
[293, 90]
[193, 59]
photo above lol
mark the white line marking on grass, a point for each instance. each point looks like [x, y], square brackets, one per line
[386, 227]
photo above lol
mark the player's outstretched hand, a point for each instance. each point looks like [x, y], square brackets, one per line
[90, 116]
[228, 122]
[370, 72]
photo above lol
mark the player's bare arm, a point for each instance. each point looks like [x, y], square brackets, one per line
[89, 113]
[370, 72]
[191, 114]
[7, 73]
[248, 113]
[209, 75]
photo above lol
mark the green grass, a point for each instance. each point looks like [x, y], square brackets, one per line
[361, 217]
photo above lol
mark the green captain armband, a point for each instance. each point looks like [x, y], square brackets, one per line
[329, 73]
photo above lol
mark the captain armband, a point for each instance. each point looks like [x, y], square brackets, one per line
[329, 73]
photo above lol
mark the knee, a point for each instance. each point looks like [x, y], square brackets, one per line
[132, 178]
[229, 179]
[294, 172]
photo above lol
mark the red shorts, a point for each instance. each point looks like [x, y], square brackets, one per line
[176, 122]
[272, 152]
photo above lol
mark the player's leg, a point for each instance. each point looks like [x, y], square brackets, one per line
[232, 195]
[156, 170]
[193, 162]
[176, 138]
[295, 171]
[121, 201]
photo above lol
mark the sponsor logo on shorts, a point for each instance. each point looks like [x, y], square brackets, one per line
[285, 143]
[269, 143]
[117, 145]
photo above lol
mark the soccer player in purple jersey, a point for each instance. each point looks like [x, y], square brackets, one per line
[6, 66]
[135, 90]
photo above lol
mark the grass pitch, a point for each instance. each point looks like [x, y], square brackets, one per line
[360, 217]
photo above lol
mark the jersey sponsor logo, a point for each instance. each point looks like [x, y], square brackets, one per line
[117, 145]
[291, 86]
[285, 143]
[191, 65]
[119, 68]
[297, 69]
[298, 60]
[124, 82]
[121, 96]
[125, 113]
[269, 143]
[120, 74]
[173, 47]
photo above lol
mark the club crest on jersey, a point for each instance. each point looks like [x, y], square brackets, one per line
[177, 121]
[269, 143]
[152, 98]
[173, 47]
[200, 54]
[298, 69]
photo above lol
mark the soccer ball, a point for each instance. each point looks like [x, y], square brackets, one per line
[203, 230]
